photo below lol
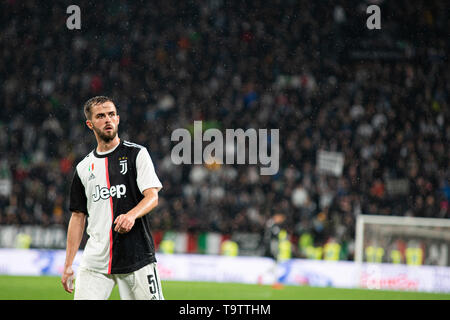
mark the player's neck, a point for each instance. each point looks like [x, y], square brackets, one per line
[103, 146]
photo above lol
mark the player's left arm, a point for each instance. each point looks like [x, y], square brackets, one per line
[125, 222]
[149, 185]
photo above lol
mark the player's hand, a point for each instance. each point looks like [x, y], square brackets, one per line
[124, 223]
[67, 279]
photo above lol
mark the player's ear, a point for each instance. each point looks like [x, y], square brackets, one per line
[89, 124]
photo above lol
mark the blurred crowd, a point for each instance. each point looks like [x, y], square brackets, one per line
[311, 69]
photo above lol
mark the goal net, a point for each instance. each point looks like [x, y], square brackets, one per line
[402, 240]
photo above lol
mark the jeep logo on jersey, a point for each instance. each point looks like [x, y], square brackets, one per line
[104, 193]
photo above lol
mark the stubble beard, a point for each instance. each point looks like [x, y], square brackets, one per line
[105, 137]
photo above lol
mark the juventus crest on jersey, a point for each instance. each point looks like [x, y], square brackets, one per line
[104, 186]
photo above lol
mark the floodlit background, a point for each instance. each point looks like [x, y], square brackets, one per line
[363, 118]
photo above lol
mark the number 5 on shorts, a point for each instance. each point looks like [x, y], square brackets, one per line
[152, 283]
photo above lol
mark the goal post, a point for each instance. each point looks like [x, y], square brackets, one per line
[402, 240]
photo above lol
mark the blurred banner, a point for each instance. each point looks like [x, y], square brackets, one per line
[346, 274]
[253, 270]
[330, 162]
[185, 267]
[29, 262]
[194, 267]
[5, 179]
[5, 187]
[51, 237]
[54, 237]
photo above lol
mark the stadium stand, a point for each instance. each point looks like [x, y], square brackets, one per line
[309, 68]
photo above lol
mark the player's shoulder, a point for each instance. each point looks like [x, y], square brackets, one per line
[133, 149]
[88, 158]
[129, 144]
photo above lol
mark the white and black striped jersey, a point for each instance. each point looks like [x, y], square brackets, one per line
[105, 186]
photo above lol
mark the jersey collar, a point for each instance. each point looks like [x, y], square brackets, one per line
[107, 153]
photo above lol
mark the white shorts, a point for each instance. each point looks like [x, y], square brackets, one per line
[142, 284]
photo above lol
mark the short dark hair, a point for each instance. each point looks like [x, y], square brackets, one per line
[95, 101]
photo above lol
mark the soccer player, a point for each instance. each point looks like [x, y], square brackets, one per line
[115, 187]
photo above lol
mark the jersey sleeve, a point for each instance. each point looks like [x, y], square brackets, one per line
[146, 175]
[78, 200]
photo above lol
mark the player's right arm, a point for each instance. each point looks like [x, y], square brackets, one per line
[75, 231]
[74, 235]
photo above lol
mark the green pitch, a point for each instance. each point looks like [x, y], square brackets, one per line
[50, 288]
